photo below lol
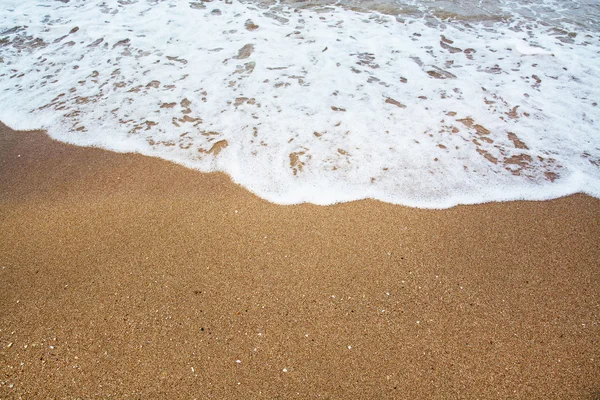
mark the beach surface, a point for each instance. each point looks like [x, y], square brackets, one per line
[130, 277]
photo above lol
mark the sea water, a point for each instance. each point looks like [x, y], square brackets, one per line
[422, 103]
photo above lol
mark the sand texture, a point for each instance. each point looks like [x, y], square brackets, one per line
[129, 277]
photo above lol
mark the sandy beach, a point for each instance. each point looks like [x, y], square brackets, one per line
[125, 276]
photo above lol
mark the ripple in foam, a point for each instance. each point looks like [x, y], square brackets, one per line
[321, 104]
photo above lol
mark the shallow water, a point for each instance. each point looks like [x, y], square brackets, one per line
[428, 104]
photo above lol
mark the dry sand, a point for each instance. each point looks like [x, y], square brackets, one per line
[130, 277]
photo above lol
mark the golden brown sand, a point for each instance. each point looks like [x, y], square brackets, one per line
[129, 277]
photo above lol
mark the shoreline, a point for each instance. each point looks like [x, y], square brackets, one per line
[125, 275]
[421, 113]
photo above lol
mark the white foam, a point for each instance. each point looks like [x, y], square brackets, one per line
[314, 105]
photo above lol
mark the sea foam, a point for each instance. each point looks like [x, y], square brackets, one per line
[315, 104]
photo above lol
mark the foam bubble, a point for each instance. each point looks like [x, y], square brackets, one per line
[318, 104]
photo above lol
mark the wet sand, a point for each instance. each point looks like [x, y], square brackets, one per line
[130, 277]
